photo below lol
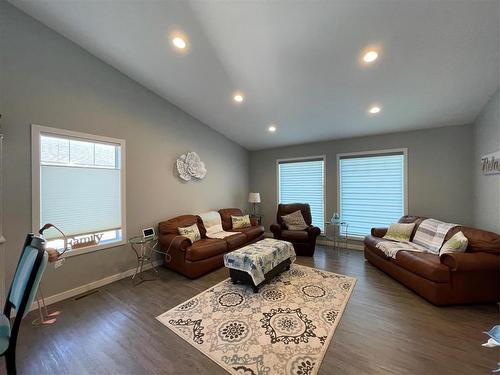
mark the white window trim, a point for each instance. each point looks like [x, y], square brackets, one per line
[404, 151]
[298, 159]
[36, 131]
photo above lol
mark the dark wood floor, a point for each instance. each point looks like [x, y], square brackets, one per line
[386, 329]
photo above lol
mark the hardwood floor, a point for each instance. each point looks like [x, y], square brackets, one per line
[386, 329]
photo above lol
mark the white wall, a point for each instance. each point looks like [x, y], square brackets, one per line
[46, 79]
[487, 187]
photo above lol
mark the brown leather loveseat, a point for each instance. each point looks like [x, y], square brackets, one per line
[457, 278]
[195, 259]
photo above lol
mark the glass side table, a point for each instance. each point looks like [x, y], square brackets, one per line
[143, 248]
[257, 217]
[340, 233]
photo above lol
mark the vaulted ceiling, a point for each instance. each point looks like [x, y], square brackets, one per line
[297, 63]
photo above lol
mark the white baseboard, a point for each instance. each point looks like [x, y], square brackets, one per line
[323, 241]
[90, 286]
[350, 245]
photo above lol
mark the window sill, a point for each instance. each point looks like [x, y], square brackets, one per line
[91, 249]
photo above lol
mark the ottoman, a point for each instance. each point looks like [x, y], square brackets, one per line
[259, 262]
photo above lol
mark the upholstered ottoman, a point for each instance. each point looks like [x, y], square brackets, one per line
[259, 262]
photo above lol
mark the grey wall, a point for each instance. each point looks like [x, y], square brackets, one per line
[439, 170]
[487, 188]
[48, 80]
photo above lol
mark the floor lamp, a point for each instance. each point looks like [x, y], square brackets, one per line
[254, 198]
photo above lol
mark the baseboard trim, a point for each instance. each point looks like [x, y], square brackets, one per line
[323, 241]
[91, 286]
[352, 246]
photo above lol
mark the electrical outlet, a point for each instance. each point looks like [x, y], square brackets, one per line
[58, 263]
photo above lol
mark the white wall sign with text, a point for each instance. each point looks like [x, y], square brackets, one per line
[490, 164]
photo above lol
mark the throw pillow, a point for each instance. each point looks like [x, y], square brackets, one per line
[399, 232]
[240, 222]
[456, 244]
[295, 221]
[192, 232]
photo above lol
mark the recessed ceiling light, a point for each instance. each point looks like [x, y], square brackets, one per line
[375, 109]
[238, 97]
[179, 42]
[370, 56]
[271, 128]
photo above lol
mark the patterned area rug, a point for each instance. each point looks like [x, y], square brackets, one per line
[284, 329]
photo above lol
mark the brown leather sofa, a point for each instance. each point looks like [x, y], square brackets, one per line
[304, 241]
[459, 278]
[195, 259]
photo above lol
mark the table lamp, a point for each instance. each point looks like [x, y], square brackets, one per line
[254, 198]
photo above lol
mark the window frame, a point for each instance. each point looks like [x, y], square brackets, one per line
[299, 159]
[403, 151]
[36, 132]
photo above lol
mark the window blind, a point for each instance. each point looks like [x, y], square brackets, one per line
[372, 191]
[303, 182]
[80, 187]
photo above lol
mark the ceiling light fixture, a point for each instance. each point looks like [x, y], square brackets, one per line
[271, 129]
[179, 42]
[370, 56]
[238, 97]
[374, 110]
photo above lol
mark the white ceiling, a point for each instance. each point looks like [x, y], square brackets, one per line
[297, 61]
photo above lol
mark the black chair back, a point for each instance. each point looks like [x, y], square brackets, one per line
[22, 292]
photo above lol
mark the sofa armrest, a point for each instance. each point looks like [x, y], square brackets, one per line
[276, 230]
[479, 261]
[378, 232]
[313, 231]
[174, 241]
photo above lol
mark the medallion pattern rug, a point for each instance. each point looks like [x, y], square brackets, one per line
[285, 328]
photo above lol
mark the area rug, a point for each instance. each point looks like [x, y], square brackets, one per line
[285, 328]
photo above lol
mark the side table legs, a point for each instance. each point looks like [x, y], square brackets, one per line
[143, 254]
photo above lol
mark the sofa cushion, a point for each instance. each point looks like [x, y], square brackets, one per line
[399, 231]
[294, 221]
[412, 219]
[456, 244]
[170, 226]
[252, 233]
[240, 222]
[288, 208]
[479, 240]
[371, 242]
[192, 232]
[295, 235]
[206, 248]
[225, 215]
[425, 265]
[236, 240]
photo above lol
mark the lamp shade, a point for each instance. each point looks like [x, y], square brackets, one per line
[254, 197]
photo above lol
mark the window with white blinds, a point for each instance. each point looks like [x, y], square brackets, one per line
[78, 185]
[372, 190]
[303, 181]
